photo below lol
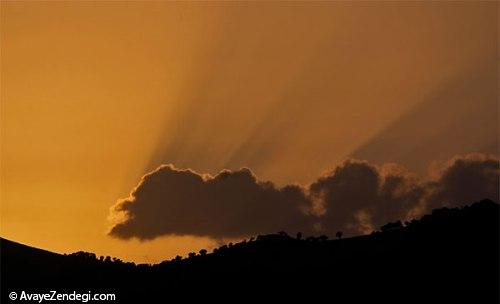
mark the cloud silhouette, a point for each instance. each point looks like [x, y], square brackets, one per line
[465, 179]
[356, 197]
[230, 204]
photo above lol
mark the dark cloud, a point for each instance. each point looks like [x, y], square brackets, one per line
[231, 204]
[356, 197]
[465, 179]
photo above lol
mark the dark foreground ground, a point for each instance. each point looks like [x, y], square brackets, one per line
[450, 256]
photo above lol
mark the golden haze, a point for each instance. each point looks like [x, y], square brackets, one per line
[95, 94]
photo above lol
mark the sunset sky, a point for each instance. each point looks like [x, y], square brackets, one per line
[96, 94]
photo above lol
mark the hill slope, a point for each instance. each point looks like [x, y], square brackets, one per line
[451, 255]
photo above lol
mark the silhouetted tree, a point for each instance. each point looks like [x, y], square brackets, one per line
[203, 252]
[339, 234]
[391, 226]
[299, 235]
[283, 234]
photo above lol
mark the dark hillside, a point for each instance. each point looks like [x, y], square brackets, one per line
[451, 255]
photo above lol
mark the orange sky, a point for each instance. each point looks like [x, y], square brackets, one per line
[94, 95]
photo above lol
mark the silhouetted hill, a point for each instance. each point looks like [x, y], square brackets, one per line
[451, 255]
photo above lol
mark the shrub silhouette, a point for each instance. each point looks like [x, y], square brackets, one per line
[392, 226]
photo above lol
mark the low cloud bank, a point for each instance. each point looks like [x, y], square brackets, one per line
[356, 197]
